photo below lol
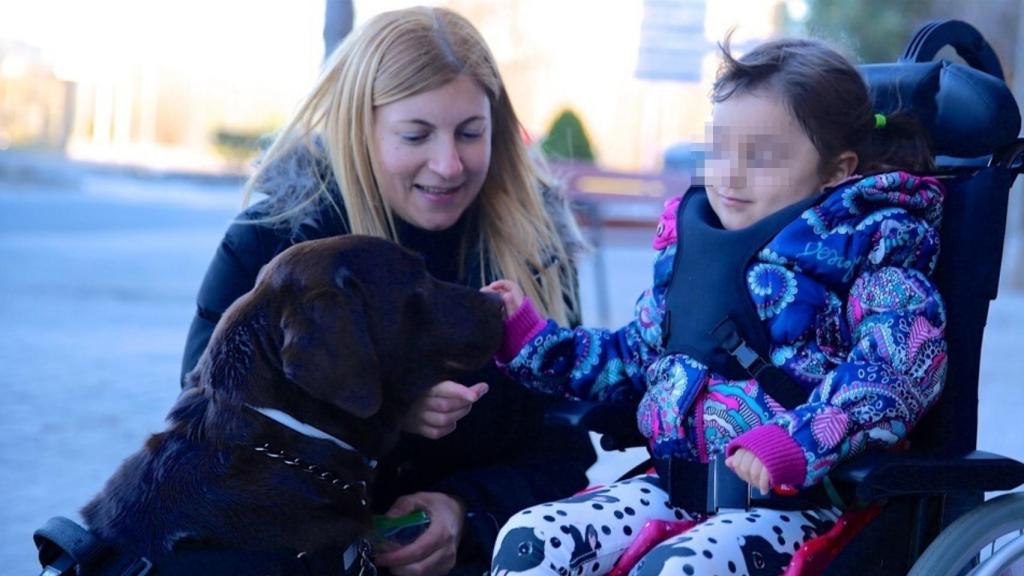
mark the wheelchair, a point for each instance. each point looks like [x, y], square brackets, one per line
[923, 511]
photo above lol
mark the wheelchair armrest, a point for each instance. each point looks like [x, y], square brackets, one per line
[615, 422]
[883, 475]
[875, 476]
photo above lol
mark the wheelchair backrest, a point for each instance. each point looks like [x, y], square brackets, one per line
[973, 122]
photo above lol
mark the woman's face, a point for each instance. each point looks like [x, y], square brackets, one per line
[760, 159]
[433, 151]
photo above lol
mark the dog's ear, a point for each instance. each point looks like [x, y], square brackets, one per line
[327, 351]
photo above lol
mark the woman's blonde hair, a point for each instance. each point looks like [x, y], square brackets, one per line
[400, 54]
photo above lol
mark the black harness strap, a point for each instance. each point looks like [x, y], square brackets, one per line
[67, 548]
[710, 315]
[770, 377]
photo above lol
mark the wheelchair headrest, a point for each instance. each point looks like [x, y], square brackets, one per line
[967, 112]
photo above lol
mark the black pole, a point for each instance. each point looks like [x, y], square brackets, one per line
[339, 16]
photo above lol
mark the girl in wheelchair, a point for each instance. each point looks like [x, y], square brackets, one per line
[792, 323]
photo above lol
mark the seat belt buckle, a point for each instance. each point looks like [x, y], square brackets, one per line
[701, 488]
[689, 484]
[140, 567]
[729, 339]
[731, 491]
[745, 355]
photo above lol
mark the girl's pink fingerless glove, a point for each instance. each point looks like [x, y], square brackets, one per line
[520, 328]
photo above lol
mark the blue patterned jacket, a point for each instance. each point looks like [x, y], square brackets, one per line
[847, 299]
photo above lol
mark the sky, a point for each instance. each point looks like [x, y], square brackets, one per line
[224, 46]
[86, 37]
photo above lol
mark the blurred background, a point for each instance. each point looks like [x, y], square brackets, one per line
[128, 127]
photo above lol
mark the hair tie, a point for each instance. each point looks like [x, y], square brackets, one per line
[880, 121]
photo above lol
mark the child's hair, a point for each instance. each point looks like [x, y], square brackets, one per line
[829, 98]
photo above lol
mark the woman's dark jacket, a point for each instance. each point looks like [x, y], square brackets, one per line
[500, 459]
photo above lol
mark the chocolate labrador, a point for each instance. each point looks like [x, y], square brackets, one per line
[272, 444]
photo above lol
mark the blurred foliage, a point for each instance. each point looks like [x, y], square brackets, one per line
[567, 139]
[869, 30]
[239, 145]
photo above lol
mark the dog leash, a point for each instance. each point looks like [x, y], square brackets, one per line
[356, 560]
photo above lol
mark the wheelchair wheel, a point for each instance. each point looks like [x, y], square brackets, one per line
[988, 540]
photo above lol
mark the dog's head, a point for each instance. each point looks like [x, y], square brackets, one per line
[340, 334]
[363, 323]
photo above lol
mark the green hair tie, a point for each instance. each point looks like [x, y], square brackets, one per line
[880, 121]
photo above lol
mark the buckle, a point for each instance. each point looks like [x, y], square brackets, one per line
[745, 355]
[730, 490]
[702, 488]
[738, 349]
[140, 567]
[728, 337]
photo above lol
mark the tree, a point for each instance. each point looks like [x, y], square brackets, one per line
[871, 30]
[567, 139]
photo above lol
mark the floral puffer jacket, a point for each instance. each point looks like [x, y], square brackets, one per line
[847, 299]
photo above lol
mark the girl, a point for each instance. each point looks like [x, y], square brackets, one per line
[792, 324]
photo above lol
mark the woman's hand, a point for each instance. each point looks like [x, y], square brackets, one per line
[750, 469]
[433, 553]
[511, 294]
[435, 414]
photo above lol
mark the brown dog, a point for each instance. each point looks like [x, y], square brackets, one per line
[301, 387]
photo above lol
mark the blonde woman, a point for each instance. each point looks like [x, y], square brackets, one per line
[409, 135]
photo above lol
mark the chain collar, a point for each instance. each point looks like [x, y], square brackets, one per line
[357, 486]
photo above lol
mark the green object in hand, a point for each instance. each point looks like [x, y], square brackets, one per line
[395, 532]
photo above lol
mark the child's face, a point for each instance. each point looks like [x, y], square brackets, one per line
[759, 161]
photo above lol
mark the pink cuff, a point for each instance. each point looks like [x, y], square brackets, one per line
[779, 453]
[520, 328]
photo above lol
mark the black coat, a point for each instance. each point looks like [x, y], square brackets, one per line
[500, 459]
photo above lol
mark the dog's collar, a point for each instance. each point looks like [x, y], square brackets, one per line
[314, 470]
[289, 421]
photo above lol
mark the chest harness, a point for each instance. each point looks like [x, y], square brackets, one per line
[711, 317]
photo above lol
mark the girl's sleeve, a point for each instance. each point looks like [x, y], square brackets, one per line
[593, 363]
[893, 373]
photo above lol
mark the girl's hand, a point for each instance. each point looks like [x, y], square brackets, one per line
[436, 412]
[750, 469]
[511, 294]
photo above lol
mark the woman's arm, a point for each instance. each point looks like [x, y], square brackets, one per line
[232, 272]
[531, 462]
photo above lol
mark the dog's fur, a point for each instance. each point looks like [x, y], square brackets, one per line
[342, 334]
